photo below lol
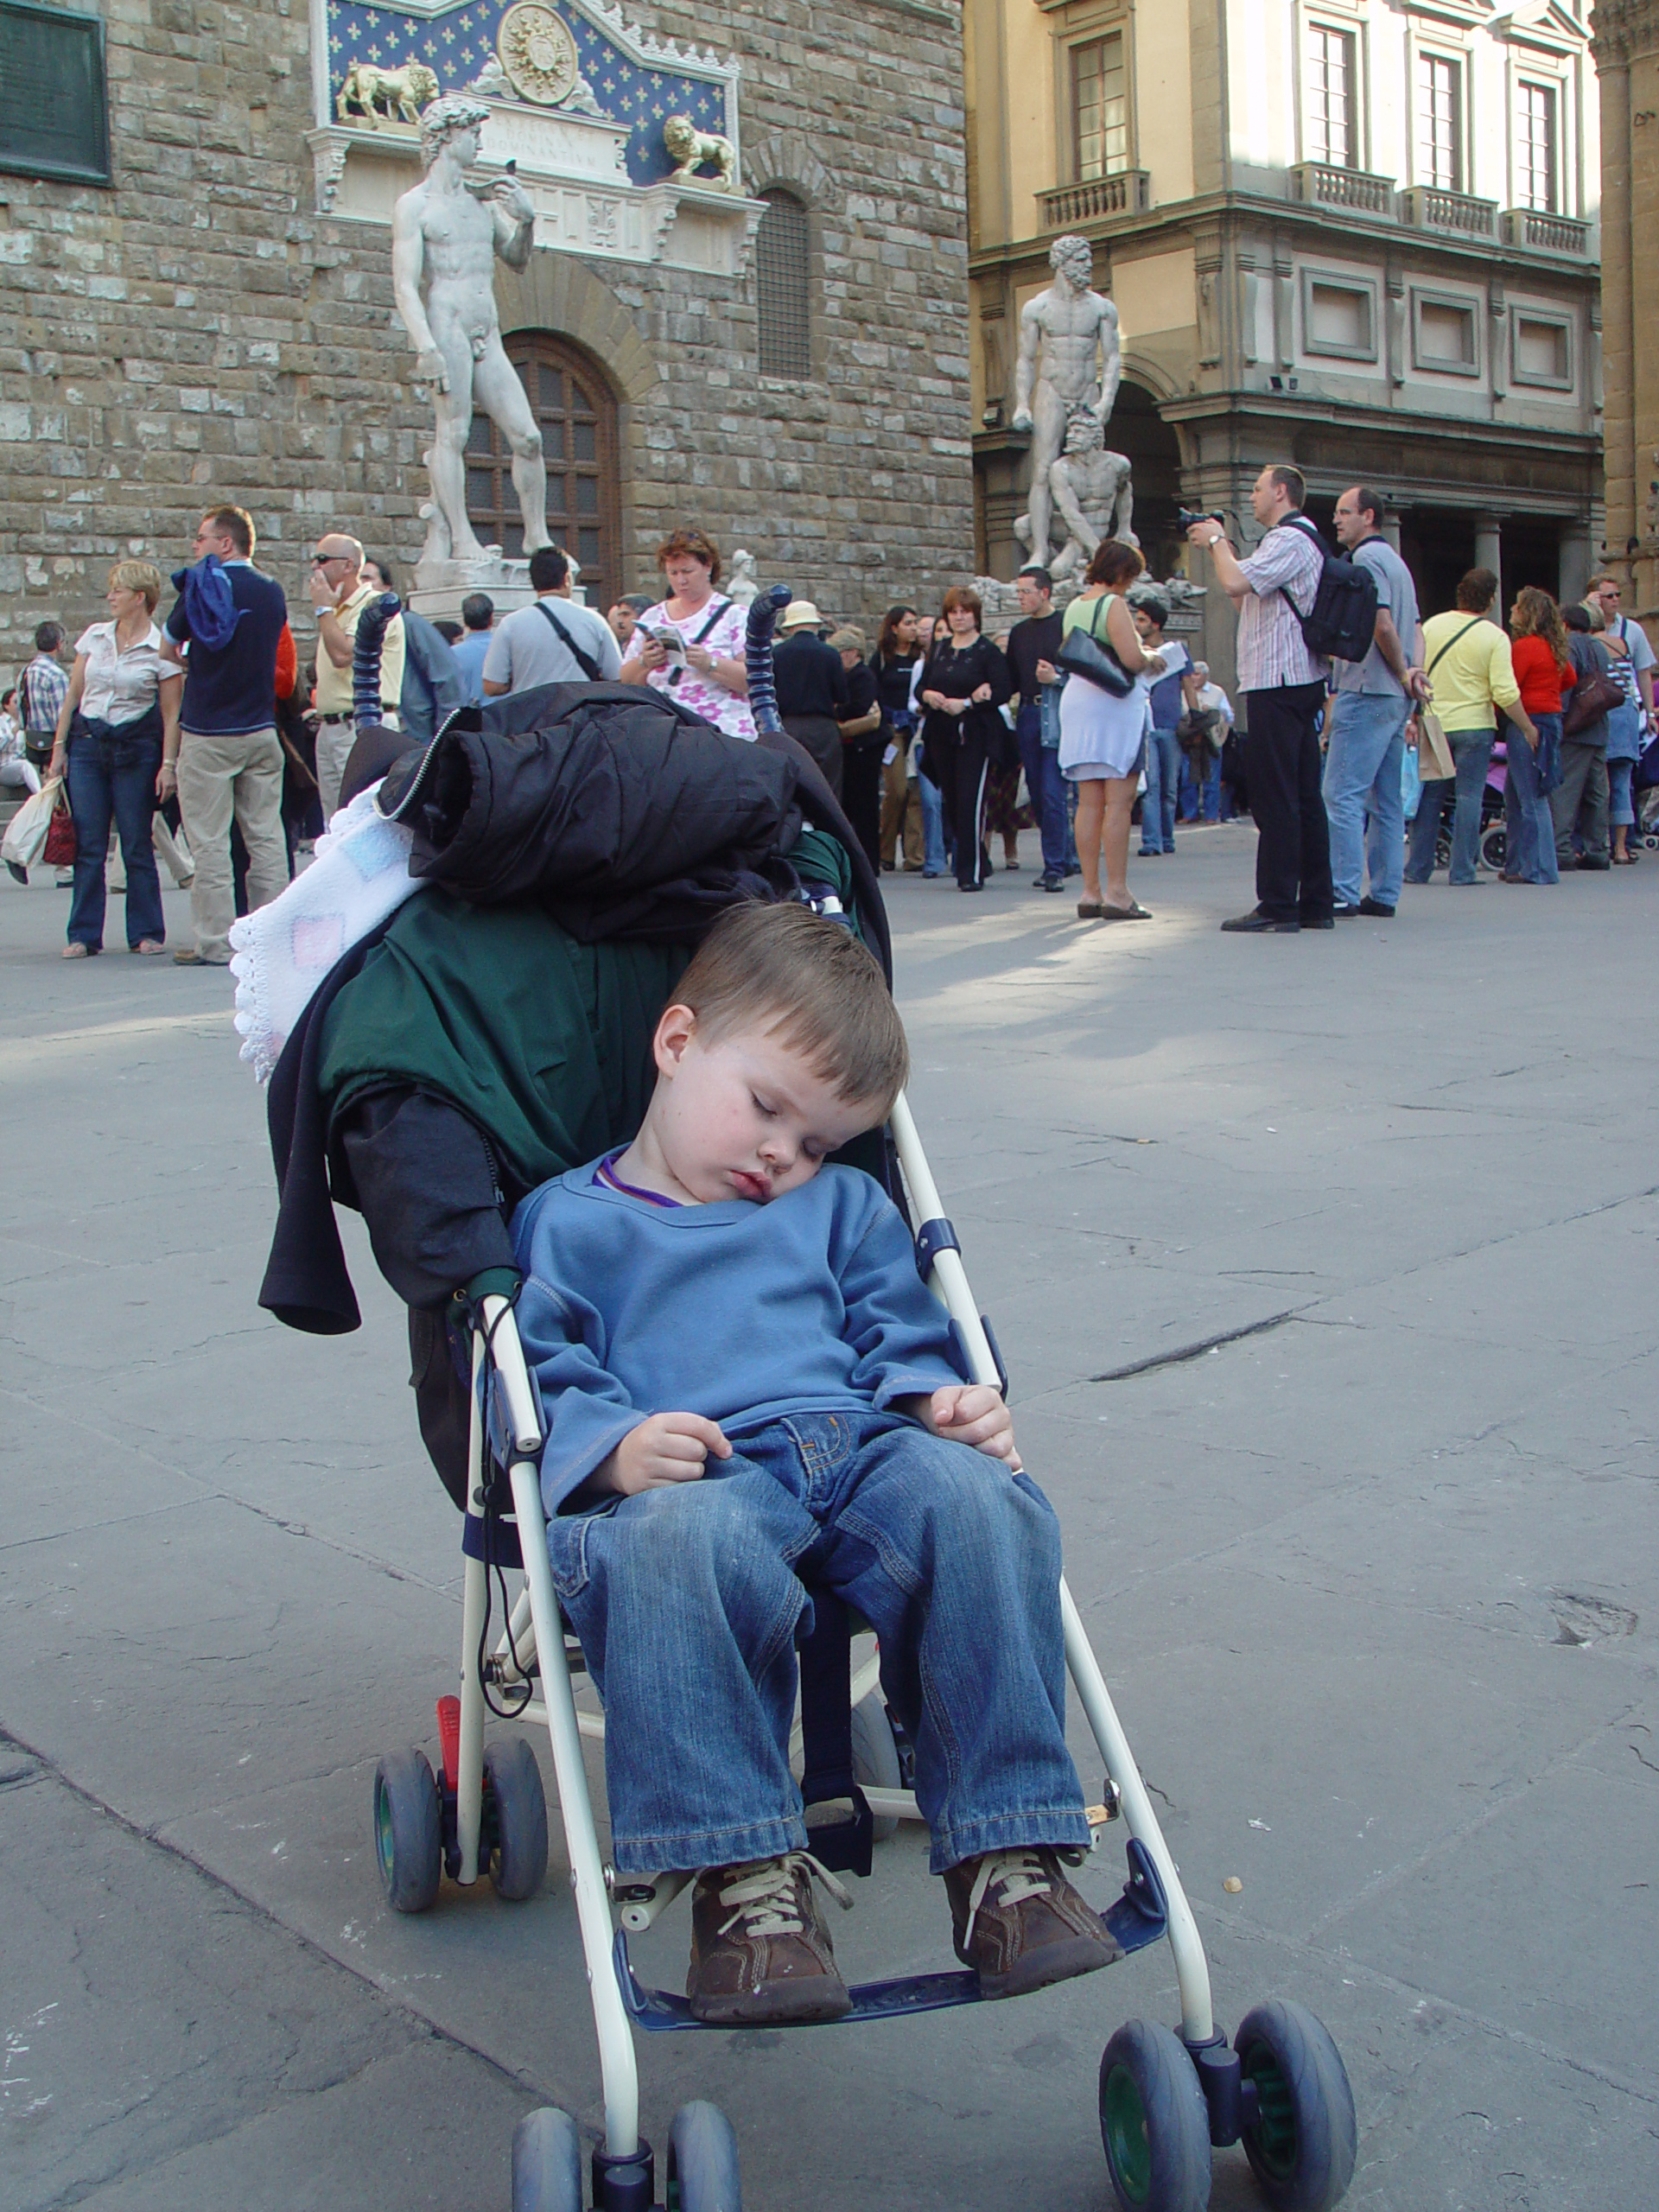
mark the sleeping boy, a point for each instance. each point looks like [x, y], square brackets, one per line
[744, 1381]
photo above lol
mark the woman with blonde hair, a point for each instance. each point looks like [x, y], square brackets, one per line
[1103, 735]
[1543, 669]
[117, 741]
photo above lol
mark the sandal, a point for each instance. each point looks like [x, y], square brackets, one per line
[1130, 914]
[1089, 909]
[148, 945]
[77, 951]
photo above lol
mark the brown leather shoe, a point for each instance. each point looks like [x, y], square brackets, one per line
[1021, 1925]
[760, 1950]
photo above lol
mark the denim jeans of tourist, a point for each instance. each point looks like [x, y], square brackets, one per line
[1201, 802]
[1364, 760]
[1163, 789]
[1621, 806]
[934, 859]
[1472, 753]
[112, 778]
[688, 1602]
[1528, 829]
[1046, 786]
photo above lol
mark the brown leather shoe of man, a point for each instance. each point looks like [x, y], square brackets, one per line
[760, 1952]
[1021, 1925]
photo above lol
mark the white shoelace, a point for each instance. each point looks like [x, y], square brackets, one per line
[1016, 1875]
[764, 1897]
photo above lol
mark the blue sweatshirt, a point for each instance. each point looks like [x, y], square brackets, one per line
[739, 1311]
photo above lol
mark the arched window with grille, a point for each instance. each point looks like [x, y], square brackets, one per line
[576, 416]
[783, 283]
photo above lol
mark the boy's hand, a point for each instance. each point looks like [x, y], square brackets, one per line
[665, 1448]
[973, 1413]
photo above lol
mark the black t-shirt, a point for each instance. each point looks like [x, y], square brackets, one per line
[893, 680]
[810, 678]
[234, 689]
[1038, 637]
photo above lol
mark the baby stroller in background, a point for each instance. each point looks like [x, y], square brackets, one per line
[1165, 2097]
[1644, 786]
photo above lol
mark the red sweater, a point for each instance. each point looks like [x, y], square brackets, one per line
[1541, 682]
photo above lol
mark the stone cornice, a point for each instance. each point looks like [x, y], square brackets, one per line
[1622, 31]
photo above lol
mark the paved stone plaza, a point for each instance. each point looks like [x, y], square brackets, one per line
[1372, 1579]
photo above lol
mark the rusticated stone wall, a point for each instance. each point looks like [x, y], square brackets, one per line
[199, 333]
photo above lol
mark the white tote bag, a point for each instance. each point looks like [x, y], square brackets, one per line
[26, 832]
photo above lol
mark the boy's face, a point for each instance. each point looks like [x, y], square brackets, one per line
[743, 1116]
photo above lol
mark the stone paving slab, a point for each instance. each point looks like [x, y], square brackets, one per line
[1377, 1572]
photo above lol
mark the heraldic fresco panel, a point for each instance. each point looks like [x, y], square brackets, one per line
[548, 54]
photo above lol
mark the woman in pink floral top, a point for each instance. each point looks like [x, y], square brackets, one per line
[711, 678]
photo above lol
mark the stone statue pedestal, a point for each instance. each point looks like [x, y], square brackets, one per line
[440, 586]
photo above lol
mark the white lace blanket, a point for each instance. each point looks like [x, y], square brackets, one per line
[280, 954]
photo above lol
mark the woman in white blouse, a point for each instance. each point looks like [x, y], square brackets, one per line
[117, 739]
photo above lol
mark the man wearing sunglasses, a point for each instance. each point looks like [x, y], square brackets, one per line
[339, 593]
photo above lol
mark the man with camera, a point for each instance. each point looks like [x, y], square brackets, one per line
[1283, 684]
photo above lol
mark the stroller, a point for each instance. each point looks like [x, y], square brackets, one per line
[1166, 2097]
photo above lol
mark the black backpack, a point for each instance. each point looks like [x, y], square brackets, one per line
[1342, 622]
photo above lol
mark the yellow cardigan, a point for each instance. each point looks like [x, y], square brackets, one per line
[1475, 677]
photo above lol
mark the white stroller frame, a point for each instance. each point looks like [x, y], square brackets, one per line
[537, 1611]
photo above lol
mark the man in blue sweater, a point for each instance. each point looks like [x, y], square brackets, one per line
[744, 1382]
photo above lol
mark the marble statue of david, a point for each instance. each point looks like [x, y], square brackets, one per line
[445, 237]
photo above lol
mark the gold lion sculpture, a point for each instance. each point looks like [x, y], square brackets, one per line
[394, 95]
[694, 149]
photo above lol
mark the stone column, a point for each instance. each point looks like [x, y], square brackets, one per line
[1576, 555]
[1391, 528]
[1488, 550]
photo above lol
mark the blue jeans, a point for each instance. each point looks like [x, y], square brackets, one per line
[933, 856]
[1472, 753]
[1621, 808]
[1363, 762]
[111, 776]
[1163, 788]
[688, 1603]
[1201, 802]
[1045, 785]
[1528, 827]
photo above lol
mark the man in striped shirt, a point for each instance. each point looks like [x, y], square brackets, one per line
[1283, 687]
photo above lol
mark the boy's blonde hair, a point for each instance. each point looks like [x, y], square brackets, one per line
[810, 984]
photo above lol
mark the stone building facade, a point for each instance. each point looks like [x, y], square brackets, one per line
[1357, 235]
[216, 322]
[1626, 47]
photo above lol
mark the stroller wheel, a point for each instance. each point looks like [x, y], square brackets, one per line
[1153, 2121]
[1494, 844]
[875, 1758]
[546, 2163]
[702, 2162]
[1303, 2142]
[408, 1831]
[512, 1787]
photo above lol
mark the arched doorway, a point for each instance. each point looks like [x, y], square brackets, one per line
[1155, 453]
[576, 416]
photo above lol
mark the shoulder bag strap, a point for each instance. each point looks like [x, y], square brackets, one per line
[586, 662]
[1474, 623]
[719, 610]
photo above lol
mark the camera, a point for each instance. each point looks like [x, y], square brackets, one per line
[1189, 515]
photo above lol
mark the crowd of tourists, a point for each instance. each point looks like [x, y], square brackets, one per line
[201, 738]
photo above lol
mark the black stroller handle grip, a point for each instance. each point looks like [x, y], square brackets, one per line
[757, 656]
[365, 658]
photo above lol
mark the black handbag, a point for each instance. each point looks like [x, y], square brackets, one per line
[1084, 653]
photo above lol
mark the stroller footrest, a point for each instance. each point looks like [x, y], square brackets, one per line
[1138, 1918]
